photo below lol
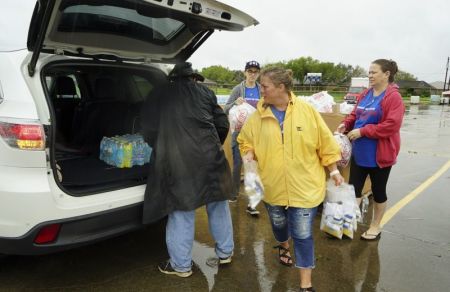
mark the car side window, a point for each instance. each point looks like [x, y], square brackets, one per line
[49, 81]
[143, 85]
[63, 87]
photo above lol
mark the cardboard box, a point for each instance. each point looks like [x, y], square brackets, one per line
[332, 120]
[336, 108]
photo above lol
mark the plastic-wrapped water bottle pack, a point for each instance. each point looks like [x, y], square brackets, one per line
[125, 151]
[340, 213]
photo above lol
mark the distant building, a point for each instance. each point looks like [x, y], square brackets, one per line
[438, 85]
[413, 84]
[412, 87]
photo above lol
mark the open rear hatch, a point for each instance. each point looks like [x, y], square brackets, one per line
[128, 30]
[86, 95]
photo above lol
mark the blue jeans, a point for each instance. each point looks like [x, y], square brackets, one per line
[237, 164]
[180, 231]
[298, 224]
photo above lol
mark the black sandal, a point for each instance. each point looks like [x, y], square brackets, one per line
[309, 289]
[283, 253]
[370, 236]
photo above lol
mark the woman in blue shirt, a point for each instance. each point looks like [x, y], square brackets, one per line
[374, 127]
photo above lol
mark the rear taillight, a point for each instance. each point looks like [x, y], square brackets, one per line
[23, 136]
[47, 234]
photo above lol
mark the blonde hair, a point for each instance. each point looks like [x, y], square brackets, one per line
[279, 75]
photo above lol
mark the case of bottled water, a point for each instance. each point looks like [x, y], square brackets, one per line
[125, 151]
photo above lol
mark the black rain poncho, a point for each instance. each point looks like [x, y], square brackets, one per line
[186, 128]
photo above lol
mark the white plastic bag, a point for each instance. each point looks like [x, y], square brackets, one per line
[322, 102]
[253, 186]
[346, 108]
[238, 115]
[341, 193]
[340, 211]
[332, 219]
[346, 149]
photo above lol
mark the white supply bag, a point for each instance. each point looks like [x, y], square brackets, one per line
[253, 186]
[322, 102]
[346, 108]
[238, 115]
[340, 210]
[346, 149]
[332, 219]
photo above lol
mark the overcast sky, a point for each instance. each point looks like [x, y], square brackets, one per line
[414, 33]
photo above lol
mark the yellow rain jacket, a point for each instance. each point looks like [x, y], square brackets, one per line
[291, 166]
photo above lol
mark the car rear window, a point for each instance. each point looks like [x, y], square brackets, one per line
[119, 21]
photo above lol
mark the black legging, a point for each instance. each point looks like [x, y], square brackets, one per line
[378, 178]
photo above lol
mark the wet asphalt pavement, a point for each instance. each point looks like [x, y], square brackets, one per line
[413, 253]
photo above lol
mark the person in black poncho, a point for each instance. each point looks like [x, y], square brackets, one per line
[186, 128]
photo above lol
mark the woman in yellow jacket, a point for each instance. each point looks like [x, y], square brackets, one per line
[292, 144]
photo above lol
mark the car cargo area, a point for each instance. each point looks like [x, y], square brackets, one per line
[90, 101]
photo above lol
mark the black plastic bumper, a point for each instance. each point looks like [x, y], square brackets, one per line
[77, 231]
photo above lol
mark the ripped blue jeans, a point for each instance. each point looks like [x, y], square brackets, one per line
[298, 224]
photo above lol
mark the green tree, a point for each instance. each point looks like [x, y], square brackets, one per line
[302, 66]
[331, 73]
[359, 71]
[402, 75]
[277, 64]
[219, 74]
[336, 74]
[238, 76]
[326, 68]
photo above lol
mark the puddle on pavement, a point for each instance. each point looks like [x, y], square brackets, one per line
[200, 254]
[426, 130]
[435, 114]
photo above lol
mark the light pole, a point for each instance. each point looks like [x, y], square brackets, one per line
[446, 71]
[448, 82]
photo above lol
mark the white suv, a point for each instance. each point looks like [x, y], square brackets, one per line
[84, 72]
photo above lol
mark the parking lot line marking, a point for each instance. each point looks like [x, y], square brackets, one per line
[412, 195]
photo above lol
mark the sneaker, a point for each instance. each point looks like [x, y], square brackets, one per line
[214, 261]
[252, 211]
[166, 268]
[224, 261]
